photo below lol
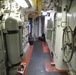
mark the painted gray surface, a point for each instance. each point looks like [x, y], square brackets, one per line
[38, 60]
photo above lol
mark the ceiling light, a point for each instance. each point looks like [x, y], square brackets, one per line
[59, 14]
[44, 13]
[22, 3]
[69, 15]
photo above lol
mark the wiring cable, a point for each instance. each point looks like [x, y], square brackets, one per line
[71, 1]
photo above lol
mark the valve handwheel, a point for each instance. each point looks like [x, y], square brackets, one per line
[67, 44]
[74, 36]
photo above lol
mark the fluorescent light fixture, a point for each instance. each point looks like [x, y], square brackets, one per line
[49, 11]
[59, 14]
[44, 13]
[69, 15]
[22, 3]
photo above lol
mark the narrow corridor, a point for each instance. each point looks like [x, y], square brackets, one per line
[38, 60]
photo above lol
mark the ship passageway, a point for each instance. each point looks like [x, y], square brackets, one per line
[39, 61]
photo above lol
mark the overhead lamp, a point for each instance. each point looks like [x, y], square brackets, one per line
[69, 15]
[22, 3]
[44, 13]
[59, 14]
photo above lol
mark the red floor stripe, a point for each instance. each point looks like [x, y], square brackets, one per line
[46, 50]
[27, 60]
[45, 47]
[50, 68]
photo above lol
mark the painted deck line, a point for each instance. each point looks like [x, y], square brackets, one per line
[45, 47]
[50, 68]
[28, 57]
